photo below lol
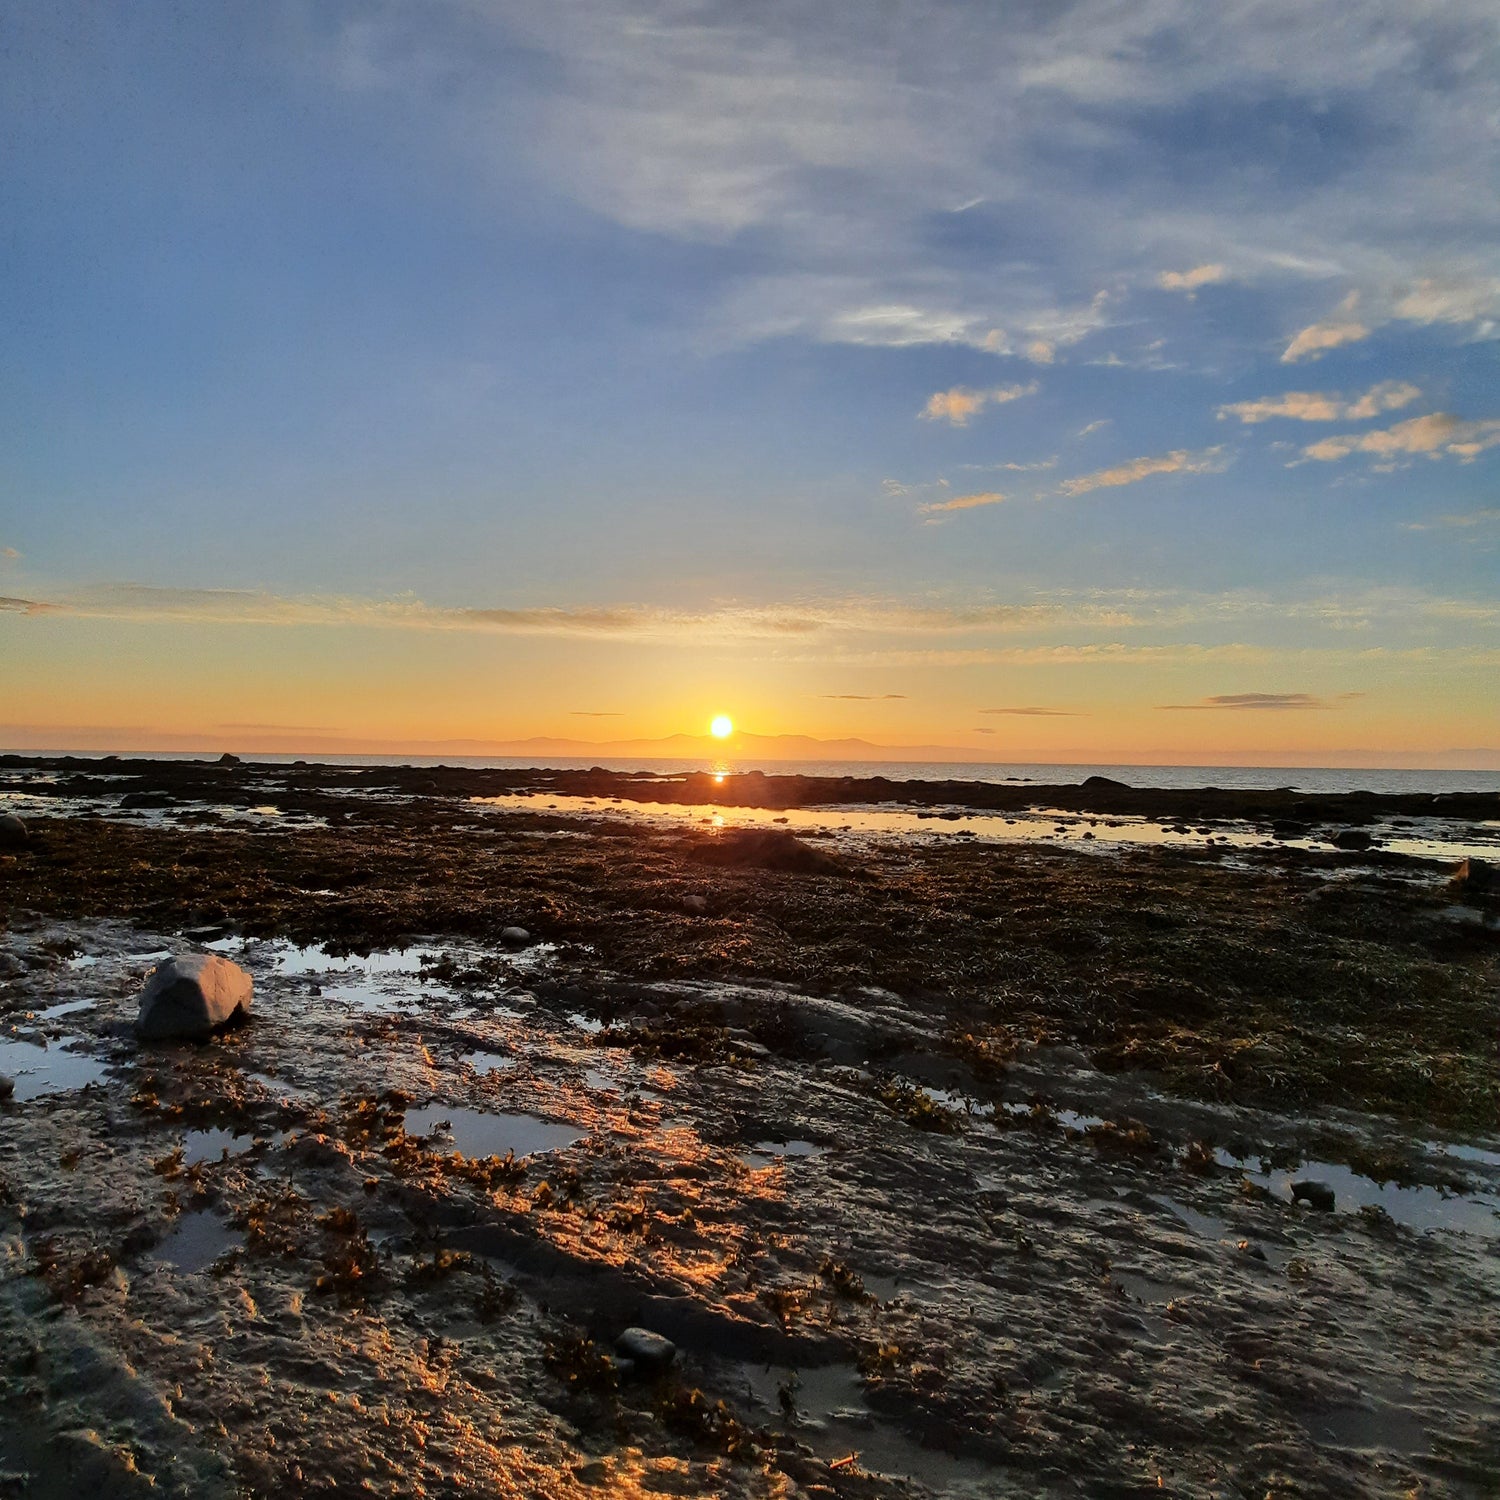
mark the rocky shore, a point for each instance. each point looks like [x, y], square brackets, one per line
[562, 1153]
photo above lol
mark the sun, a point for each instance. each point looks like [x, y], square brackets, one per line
[721, 727]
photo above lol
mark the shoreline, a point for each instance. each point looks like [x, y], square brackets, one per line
[1095, 794]
[951, 1168]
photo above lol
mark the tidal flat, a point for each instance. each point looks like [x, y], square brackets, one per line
[951, 1165]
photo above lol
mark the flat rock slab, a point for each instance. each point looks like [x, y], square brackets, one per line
[192, 996]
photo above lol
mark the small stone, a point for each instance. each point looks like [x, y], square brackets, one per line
[13, 833]
[1352, 838]
[192, 996]
[516, 937]
[1314, 1194]
[695, 906]
[7, 1086]
[229, 760]
[649, 1352]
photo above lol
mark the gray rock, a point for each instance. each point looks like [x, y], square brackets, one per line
[191, 996]
[516, 937]
[7, 1086]
[1352, 838]
[13, 833]
[147, 799]
[647, 1351]
[1315, 1194]
[695, 906]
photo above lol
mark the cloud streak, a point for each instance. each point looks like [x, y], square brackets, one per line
[846, 151]
[784, 624]
[1258, 702]
[962, 502]
[1324, 406]
[1467, 522]
[1437, 435]
[956, 406]
[1317, 339]
[1179, 461]
[1190, 281]
[1036, 713]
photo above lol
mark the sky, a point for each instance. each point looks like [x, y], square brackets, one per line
[1097, 381]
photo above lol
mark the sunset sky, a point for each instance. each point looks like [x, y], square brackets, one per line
[1081, 381]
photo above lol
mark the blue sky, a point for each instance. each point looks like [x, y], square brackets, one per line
[647, 359]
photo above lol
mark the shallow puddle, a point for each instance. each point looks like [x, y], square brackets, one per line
[1434, 839]
[768, 1153]
[829, 1414]
[1481, 1156]
[1206, 1225]
[67, 1008]
[475, 1133]
[1382, 1428]
[1416, 1207]
[197, 1240]
[317, 960]
[211, 1145]
[490, 1062]
[38, 1069]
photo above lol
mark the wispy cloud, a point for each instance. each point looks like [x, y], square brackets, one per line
[1012, 468]
[962, 502]
[1179, 461]
[862, 697]
[1314, 341]
[1324, 406]
[285, 728]
[825, 140]
[1037, 713]
[1474, 518]
[1451, 299]
[594, 713]
[1190, 281]
[956, 406]
[1273, 702]
[9, 554]
[826, 621]
[1092, 427]
[1437, 435]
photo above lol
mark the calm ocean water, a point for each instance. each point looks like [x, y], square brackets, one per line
[1303, 779]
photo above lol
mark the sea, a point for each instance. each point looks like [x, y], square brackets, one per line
[1237, 778]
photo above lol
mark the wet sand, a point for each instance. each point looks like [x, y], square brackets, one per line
[955, 1166]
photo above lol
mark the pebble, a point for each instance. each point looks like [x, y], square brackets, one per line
[7, 1086]
[13, 833]
[647, 1351]
[516, 937]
